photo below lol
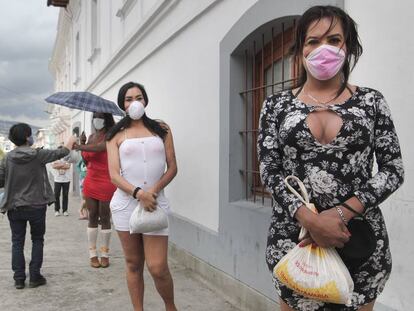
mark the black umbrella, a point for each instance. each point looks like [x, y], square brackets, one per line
[85, 101]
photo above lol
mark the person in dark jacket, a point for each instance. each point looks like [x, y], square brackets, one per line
[27, 192]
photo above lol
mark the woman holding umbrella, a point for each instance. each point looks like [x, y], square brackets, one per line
[97, 187]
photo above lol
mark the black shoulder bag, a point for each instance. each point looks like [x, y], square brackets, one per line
[362, 242]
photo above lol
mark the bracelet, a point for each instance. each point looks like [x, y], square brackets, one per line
[341, 214]
[134, 194]
[351, 209]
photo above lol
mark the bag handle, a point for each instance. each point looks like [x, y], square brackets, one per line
[346, 205]
[304, 197]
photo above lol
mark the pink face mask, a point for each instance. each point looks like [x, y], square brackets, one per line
[324, 62]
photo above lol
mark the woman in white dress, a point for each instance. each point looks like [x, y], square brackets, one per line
[142, 163]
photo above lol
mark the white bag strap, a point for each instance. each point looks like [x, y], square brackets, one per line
[304, 197]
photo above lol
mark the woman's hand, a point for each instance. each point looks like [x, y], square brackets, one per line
[153, 191]
[148, 200]
[328, 230]
[306, 241]
[70, 142]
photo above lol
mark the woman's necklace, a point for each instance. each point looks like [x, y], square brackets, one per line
[318, 101]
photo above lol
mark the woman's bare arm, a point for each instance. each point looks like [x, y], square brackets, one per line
[98, 147]
[171, 171]
[114, 167]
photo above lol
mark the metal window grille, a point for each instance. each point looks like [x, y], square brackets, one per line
[268, 68]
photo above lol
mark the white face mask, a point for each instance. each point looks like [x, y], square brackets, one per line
[98, 123]
[136, 110]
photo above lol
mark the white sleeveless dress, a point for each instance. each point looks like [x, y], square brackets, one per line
[142, 162]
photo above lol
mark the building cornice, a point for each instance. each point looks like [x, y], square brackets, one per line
[124, 10]
[58, 3]
[58, 52]
[150, 20]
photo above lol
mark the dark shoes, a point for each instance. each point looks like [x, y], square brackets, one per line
[37, 282]
[19, 284]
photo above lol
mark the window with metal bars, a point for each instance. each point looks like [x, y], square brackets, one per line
[268, 68]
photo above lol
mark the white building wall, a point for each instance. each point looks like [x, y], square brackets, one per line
[104, 28]
[178, 62]
[116, 36]
[192, 104]
[146, 6]
[387, 65]
[133, 18]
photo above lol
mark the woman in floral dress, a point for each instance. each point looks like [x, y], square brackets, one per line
[327, 132]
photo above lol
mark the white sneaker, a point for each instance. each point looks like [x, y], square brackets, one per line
[65, 214]
[57, 213]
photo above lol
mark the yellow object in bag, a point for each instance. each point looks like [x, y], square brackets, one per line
[312, 271]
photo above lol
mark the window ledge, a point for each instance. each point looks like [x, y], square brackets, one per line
[95, 53]
[124, 10]
[255, 206]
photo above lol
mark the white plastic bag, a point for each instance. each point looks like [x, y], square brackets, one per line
[312, 271]
[142, 221]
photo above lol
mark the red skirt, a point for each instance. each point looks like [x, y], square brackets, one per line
[98, 187]
[97, 184]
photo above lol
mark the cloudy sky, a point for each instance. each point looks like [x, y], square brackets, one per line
[27, 36]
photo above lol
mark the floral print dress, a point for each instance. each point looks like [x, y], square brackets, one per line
[332, 173]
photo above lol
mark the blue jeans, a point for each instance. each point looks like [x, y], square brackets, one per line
[18, 219]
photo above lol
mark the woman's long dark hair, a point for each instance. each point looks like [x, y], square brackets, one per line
[153, 126]
[352, 42]
[109, 121]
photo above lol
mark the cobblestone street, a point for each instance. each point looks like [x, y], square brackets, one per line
[74, 285]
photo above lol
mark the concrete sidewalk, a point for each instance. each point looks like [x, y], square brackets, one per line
[74, 285]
